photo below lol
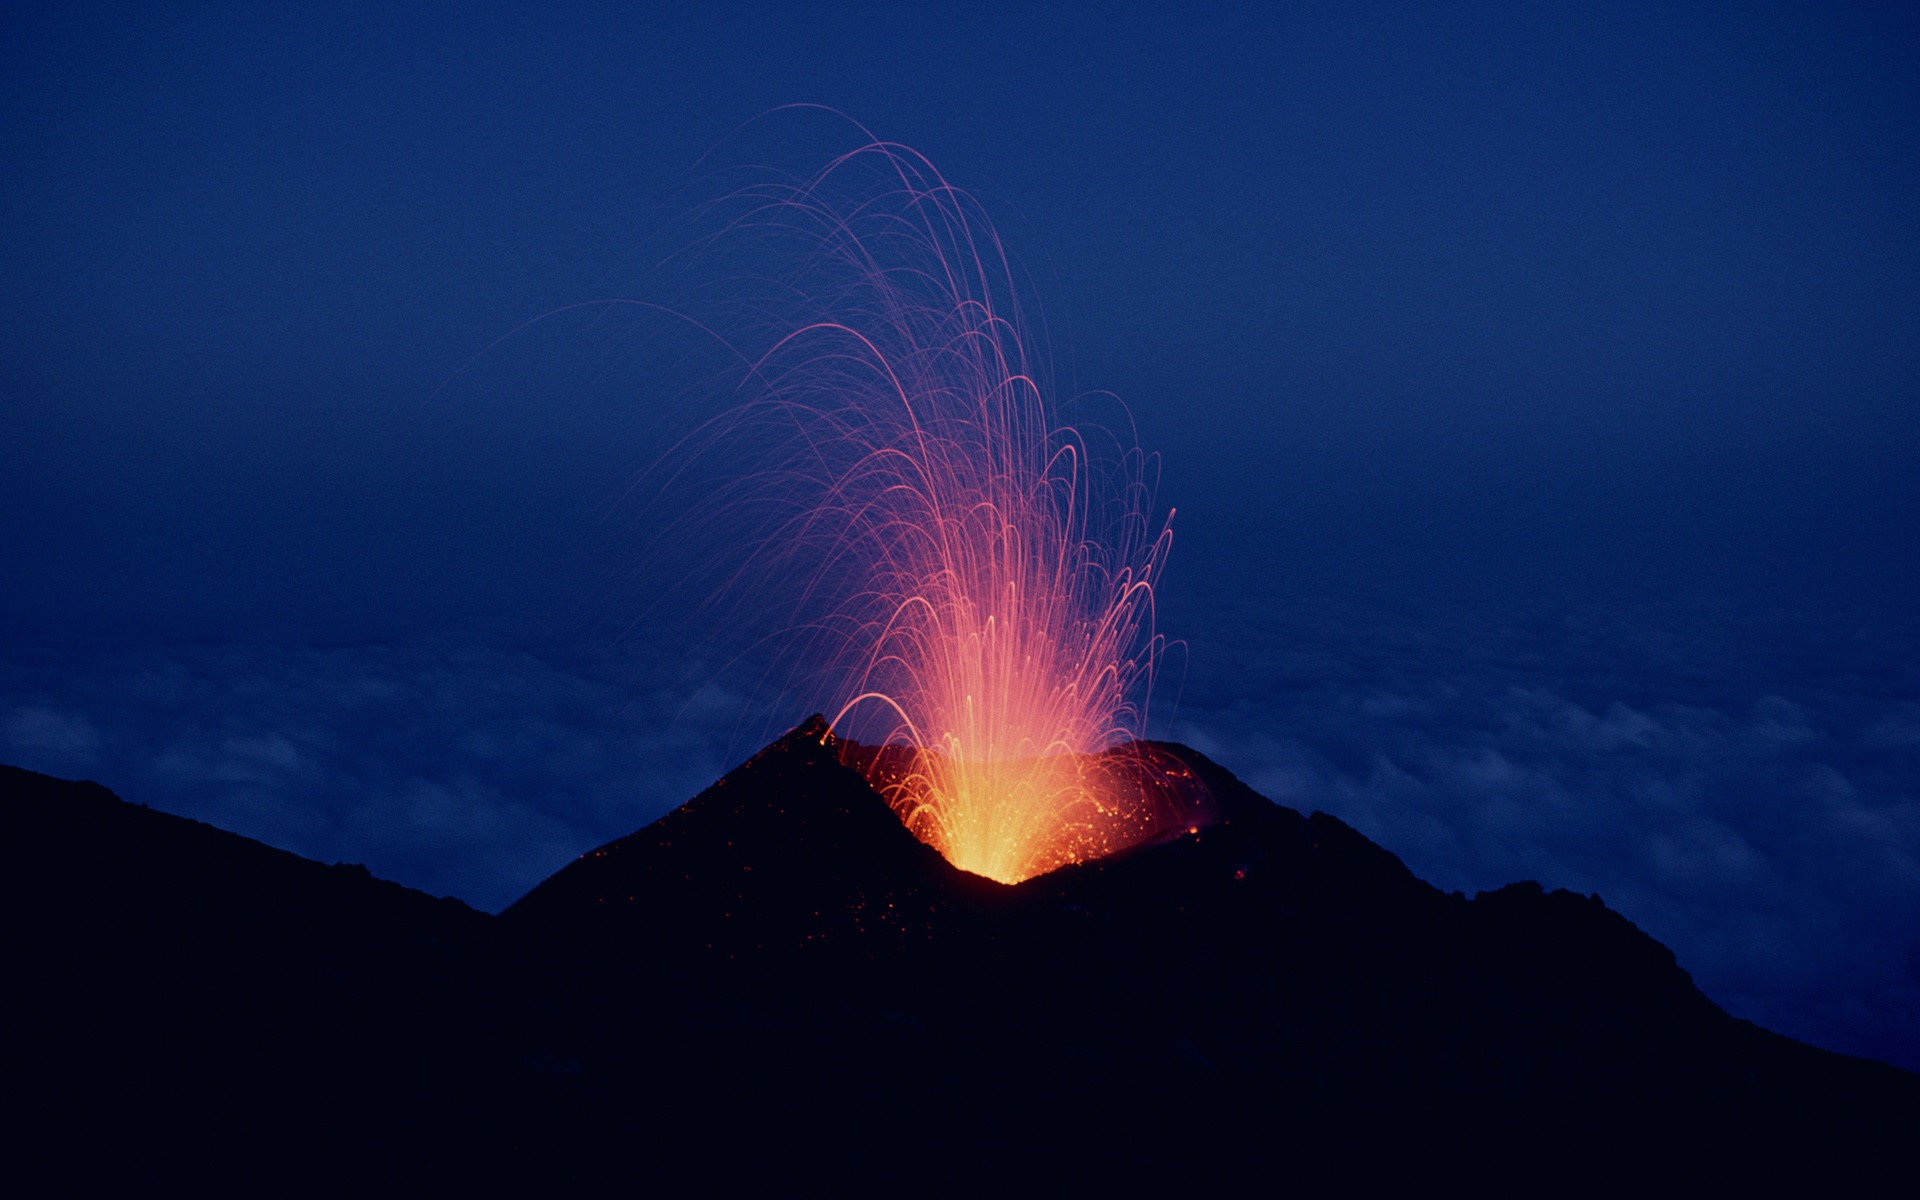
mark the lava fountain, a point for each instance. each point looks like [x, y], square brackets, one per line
[970, 579]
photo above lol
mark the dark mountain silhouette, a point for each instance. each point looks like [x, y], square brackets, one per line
[185, 1002]
[777, 984]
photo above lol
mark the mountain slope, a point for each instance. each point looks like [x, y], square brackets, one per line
[185, 1002]
[1267, 972]
[776, 982]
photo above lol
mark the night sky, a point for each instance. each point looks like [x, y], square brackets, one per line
[1539, 394]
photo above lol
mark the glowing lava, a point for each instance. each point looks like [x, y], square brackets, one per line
[977, 578]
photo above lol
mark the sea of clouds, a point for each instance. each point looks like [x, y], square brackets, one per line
[1740, 780]
[1743, 782]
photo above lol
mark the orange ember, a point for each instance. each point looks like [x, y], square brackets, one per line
[1013, 820]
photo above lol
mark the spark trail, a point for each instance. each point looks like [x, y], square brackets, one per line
[973, 579]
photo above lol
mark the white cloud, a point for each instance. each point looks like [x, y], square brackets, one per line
[38, 732]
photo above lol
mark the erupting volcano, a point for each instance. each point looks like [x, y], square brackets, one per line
[973, 577]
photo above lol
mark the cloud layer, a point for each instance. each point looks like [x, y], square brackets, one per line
[462, 769]
[1741, 781]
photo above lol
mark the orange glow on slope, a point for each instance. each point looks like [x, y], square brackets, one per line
[1014, 820]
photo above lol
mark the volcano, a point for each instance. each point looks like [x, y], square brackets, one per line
[778, 984]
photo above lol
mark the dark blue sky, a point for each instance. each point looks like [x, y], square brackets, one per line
[1440, 293]
[1449, 321]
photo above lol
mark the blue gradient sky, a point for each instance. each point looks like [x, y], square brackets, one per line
[1540, 394]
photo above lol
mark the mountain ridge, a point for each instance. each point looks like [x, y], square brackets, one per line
[781, 950]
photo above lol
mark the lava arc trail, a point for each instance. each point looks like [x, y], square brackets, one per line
[972, 579]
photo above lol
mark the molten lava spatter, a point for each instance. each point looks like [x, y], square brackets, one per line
[1014, 820]
[976, 578]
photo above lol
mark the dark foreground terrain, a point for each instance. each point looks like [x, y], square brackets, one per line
[777, 985]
